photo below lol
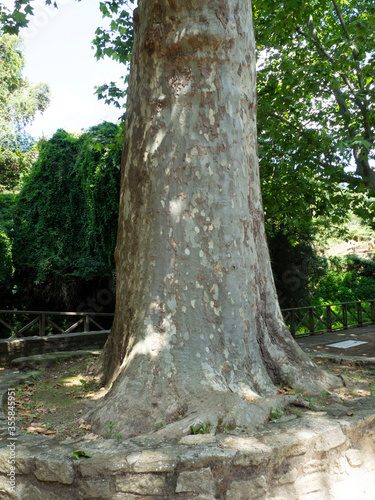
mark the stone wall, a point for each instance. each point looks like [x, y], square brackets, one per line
[315, 457]
[28, 346]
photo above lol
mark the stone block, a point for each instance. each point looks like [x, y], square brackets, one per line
[24, 463]
[287, 478]
[34, 493]
[250, 451]
[354, 457]
[104, 464]
[54, 470]
[286, 445]
[329, 434]
[311, 483]
[162, 460]
[198, 439]
[142, 484]
[125, 496]
[95, 488]
[199, 457]
[315, 466]
[246, 490]
[197, 481]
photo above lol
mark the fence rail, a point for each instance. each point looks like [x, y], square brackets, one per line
[312, 320]
[41, 322]
[301, 321]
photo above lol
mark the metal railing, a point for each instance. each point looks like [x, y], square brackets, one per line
[42, 323]
[312, 320]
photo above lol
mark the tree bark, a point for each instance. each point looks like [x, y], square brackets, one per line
[198, 333]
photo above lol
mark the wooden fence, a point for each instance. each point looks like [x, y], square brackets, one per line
[301, 321]
[312, 320]
[41, 322]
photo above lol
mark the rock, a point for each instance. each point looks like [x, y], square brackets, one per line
[55, 469]
[95, 488]
[197, 481]
[250, 451]
[103, 464]
[142, 484]
[198, 439]
[246, 490]
[354, 457]
[162, 460]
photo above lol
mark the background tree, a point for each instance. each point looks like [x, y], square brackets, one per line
[19, 102]
[316, 88]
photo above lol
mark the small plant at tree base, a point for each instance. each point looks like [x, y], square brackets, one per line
[276, 414]
[205, 429]
[371, 372]
[111, 432]
[372, 388]
[311, 401]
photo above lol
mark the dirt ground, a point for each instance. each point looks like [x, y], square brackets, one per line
[53, 401]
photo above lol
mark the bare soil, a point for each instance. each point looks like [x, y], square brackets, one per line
[53, 401]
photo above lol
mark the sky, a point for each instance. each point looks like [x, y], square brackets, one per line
[58, 51]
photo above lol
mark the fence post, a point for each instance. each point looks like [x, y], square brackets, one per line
[372, 311]
[42, 325]
[345, 316]
[329, 318]
[359, 313]
[86, 323]
[292, 324]
[311, 320]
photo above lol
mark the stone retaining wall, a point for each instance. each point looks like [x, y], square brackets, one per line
[28, 346]
[315, 457]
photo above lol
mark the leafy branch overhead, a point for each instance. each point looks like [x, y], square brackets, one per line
[316, 86]
[315, 100]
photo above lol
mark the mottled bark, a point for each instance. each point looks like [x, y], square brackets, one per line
[197, 327]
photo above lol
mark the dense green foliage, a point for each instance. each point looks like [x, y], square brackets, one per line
[19, 102]
[65, 218]
[316, 111]
[316, 116]
[347, 279]
[6, 260]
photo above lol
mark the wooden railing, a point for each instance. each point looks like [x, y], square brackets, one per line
[42, 323]
[329, 318]
[301, 321]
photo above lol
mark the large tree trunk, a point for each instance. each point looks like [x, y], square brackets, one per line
[197, 330]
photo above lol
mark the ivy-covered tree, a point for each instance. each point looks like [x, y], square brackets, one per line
[19, 102]
[65, 217]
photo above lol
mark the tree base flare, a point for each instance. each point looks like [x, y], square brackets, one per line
[177, 412]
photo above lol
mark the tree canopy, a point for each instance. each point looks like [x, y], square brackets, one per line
[316, 106]
[20, 100]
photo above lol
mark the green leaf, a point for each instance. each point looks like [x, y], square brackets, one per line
[80, 453]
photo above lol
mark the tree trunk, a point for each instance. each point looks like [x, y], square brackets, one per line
[198, 332]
